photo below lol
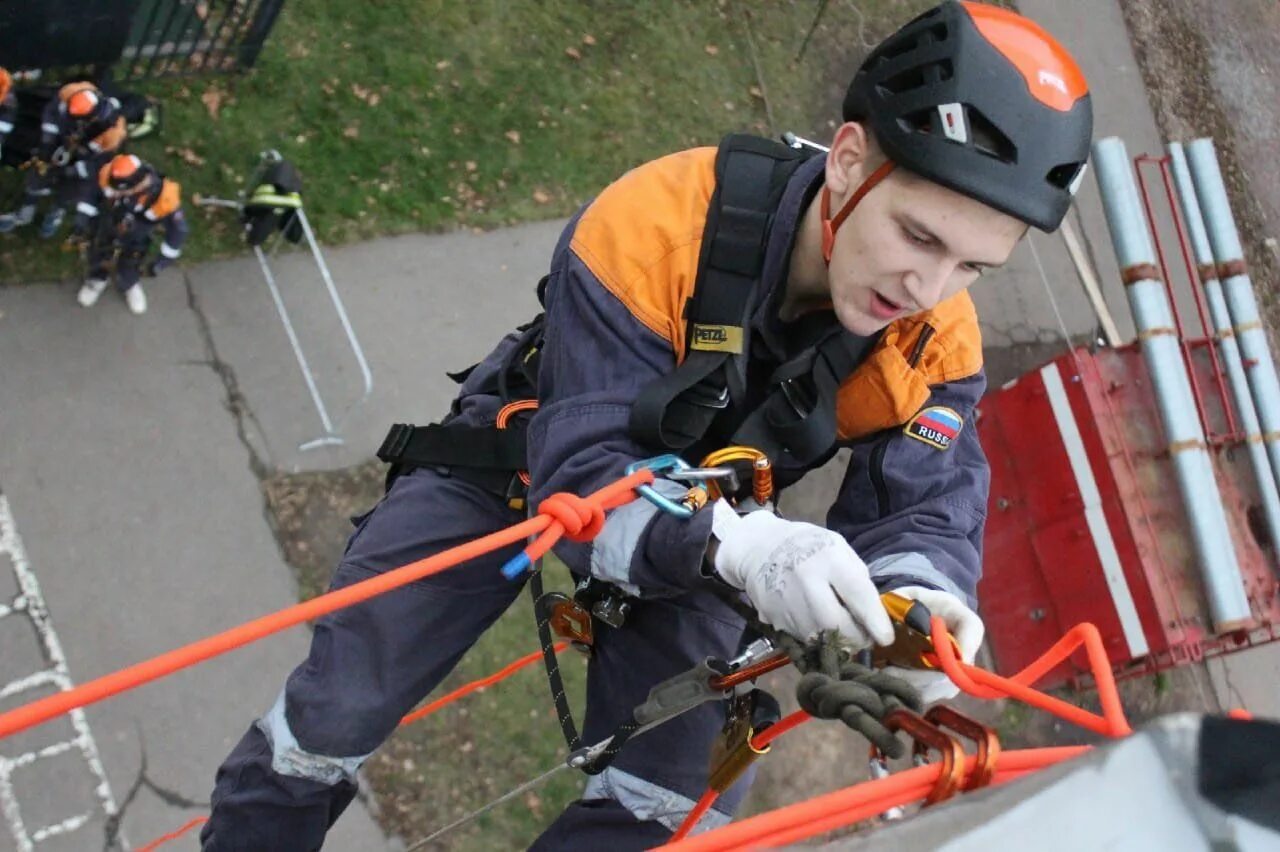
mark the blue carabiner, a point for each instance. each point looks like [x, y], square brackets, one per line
[660, 464]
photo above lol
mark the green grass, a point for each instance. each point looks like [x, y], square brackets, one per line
[406, 115]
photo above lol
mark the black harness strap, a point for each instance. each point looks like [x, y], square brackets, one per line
[449, 446]
[676, 410]
[796, 423]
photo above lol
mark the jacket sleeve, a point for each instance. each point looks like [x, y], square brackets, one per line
[595, 359]
[913, 510]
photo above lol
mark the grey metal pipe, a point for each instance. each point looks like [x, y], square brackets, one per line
[1241, 302]
[1227, 343]
[1228, 603]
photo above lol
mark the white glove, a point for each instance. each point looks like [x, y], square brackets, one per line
[965, 626]
[800, 578]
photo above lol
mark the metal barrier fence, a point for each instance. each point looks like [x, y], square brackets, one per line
[134, 40]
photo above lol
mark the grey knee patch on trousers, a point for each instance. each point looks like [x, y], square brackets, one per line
[648, 801]
[289, 758]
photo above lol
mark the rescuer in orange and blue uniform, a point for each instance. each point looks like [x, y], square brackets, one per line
[961, 130]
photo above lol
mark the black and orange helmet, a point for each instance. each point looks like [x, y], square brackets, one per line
[983, 101]
[6, 83]
[84, 104]
[127, 174]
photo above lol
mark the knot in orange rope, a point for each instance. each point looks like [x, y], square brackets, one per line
[582, 519]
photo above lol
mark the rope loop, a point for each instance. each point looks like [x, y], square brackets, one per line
[581, 518]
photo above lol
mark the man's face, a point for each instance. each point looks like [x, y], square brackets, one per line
[909, 244]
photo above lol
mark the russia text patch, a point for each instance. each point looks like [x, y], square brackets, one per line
[937, 426]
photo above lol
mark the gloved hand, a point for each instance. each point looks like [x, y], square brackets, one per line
[965, 626]
[800, 578]
[152, 268]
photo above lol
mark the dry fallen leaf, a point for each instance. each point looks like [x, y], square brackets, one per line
[756, 92]
[212, 100]
[351, 131]
[514, 136]
[573, 53]
[442, 64]
[187, 155]
[471, 165]
[588, 39]
[541, 197]
[711, 50]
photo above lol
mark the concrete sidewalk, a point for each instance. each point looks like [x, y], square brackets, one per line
[131, 451]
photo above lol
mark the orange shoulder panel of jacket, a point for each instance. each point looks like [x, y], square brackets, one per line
[642, 235]
[887, 390]
[65, 93]
[169, 200]
[113, 137]
[104, 175]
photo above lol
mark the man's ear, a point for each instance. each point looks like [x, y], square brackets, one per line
[850, 150]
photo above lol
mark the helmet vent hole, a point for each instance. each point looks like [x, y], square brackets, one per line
[916, 77]
[1063, 174]
[987, 138]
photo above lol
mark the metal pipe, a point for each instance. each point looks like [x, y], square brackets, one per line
[328, 438]
[365, 373]
[1207, 519]
[1238, 289]
[1263, 474]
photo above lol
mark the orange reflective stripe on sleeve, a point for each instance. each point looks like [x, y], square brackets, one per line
[169, 200]
[113, 137]
[642, 235]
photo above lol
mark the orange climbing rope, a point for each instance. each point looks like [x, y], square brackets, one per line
[982, 684]
[857, 802]
[173, 835]
[562, 514]
[476, 685]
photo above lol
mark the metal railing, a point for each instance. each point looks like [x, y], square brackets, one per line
[164, 38]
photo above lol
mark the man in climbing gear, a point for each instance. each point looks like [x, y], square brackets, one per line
[115, 225]
[750, 295]
[80, 130]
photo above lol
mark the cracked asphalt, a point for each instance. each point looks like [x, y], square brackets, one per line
[132, 451]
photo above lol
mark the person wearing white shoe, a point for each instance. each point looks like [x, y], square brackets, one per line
[89, 293]
[132, 202]
[136, 299]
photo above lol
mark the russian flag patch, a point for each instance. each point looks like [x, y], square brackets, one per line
[936, 426]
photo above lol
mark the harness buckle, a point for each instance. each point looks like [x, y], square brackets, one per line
[393, 446]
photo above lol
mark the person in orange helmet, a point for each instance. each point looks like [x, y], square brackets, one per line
[80, 130]
[132, 203]
[8, 106]
[751, 294]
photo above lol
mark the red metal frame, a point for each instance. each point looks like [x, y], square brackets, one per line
[1043, 573]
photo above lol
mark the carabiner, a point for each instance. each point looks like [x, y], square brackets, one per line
[659, 465]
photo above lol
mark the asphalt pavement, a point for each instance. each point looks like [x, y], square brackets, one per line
[131, 451]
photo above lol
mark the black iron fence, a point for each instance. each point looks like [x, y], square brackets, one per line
[132, 40]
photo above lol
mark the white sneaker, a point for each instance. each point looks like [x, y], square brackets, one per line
[90, 292]
[136, 299]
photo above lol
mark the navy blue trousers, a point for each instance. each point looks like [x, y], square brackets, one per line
[370, 664]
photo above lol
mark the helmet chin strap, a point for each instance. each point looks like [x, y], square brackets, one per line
[830, 223]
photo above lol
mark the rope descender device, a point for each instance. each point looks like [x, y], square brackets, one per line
[912, 646]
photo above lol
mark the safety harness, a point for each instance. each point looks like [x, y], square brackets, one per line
[794, 424]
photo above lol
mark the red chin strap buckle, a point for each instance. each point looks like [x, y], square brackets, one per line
[830, 223]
